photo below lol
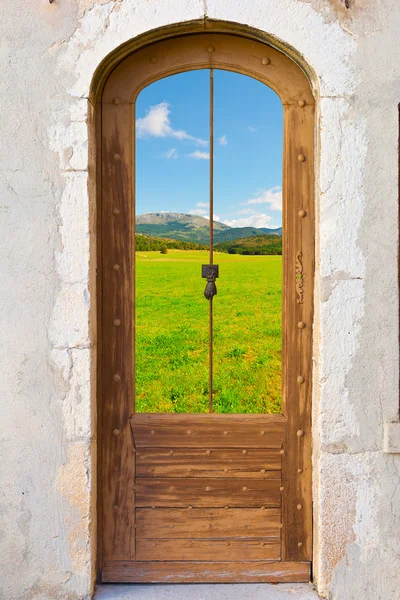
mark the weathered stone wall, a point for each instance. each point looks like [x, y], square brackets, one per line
[49, 55]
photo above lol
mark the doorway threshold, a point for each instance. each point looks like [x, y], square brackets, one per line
[203, 591]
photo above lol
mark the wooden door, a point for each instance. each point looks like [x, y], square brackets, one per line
[204, 497]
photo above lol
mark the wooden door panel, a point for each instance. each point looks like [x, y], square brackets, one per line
[211, 571]
[209, 492]
[173, 523]
[195, 549]
[117, 467]
[207, 431]
[258, 466]
[199, 462]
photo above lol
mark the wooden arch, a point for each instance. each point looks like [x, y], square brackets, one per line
[116, 292]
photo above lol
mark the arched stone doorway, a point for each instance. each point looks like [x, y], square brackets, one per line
[122, 432]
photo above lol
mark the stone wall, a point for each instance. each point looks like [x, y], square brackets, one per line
[50, 52]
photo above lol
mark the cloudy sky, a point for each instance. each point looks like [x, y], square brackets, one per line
[172, 129]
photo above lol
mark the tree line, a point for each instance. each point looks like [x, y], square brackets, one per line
[254, 245]
[149, 243]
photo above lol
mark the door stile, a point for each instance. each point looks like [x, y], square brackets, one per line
[95, 118]
[117, 326]
[306, 132]
[132, 229]
[298, 281]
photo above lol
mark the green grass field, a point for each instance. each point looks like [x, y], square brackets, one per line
[172, 333]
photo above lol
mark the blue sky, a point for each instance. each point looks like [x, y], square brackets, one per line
[172, 131]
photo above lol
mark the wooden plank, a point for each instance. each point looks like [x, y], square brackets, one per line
[95, 189]
[232, 53]
[195, 549]
[198, 462]
[117, 329]
[209, 492]
[207, 431]
[170, 523]
[206, 572]
[302, 447]
[298, 237]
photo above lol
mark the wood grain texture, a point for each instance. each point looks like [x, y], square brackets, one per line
[209, 492]
[298, 236]
[205, 572]
[169, 523]
[95, 199]
[206, 444]
[117, 302]
[197, 462]
[195, 549]
[231, 53]
[207, 431]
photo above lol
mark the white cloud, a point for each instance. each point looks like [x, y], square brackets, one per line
[202, 213]
[198, 211]
[223, 140]
[252, 129]
[156, 123]
[171, 153]
[202, 204]
[255, 220]
[199, 155]
[246, 211]
[273, 197]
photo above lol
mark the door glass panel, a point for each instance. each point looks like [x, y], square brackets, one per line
[175, 333]
[172, 242]
[247, 320]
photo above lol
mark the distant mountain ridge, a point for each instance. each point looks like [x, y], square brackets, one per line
[236, 233]
[262, 244]
[164, 218]
[193, 228]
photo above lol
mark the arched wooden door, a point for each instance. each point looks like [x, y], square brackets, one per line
[161, 519]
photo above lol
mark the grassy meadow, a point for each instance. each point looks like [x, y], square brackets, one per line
[172, 329]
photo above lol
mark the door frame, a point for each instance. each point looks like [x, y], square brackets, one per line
[149, 62]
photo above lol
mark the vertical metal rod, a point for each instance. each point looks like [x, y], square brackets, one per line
[132, 230]
[210, 366]
[211, 166]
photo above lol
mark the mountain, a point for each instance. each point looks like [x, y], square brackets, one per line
[177, 226]
[235, 233]
[192, 228]
[147, 243]
[255, 244]
[275, 231]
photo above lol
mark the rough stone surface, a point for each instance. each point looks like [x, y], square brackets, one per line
[391, 438]
[207, 592]
[49, 54]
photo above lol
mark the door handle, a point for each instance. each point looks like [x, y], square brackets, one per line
[210, 272]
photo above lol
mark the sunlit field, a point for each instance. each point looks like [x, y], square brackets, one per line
[172, 329]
